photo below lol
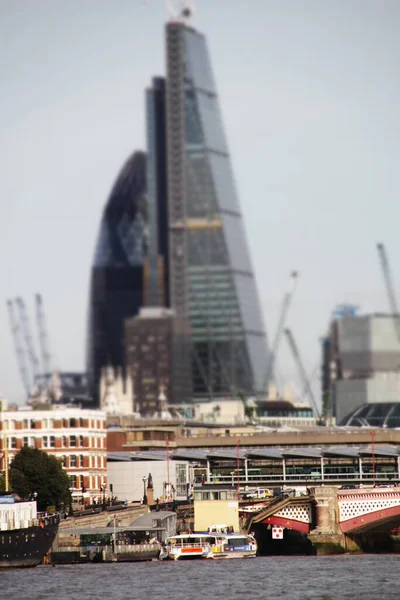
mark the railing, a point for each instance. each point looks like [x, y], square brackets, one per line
[203, 545]
[136, 548]
[308, 479]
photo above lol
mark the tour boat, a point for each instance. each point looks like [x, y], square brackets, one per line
[234, 545]
[188, 546]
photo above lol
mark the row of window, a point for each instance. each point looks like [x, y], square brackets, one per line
[11, 424]
[72, 441]
[77, 481]
[77, 461]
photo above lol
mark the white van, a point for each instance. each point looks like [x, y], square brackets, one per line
[258, 494]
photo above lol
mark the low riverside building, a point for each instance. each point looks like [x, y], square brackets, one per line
[134, 475]
[75, 436]
[216, 504]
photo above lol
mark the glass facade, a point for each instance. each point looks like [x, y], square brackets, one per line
[211, 278]
[157, 289]
[116, 287]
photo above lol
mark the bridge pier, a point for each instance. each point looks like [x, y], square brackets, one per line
[326, 510]
[326, 536]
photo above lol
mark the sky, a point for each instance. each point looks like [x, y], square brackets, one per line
[309, 91]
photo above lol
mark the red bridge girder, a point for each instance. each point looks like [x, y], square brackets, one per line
[386, 518]
[288, 524]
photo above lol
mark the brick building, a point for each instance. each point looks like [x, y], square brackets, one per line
[158, 357]
[76, 436]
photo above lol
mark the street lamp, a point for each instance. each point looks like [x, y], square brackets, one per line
[144, 479]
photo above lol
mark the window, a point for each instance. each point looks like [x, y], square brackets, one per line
[13, 442]
[72, 441]
[81, 460]
[25, 442]
[72, 480]
[64, 461]
[45, 442]
[72, 423]
[81, 441]
[181, 479]
[33, 424]
[72, 461]
[64, 441]
[25, 424]
[52, 441]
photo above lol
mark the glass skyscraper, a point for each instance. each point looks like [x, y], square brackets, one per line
[116, 287]
[211, 278]
[172, 235]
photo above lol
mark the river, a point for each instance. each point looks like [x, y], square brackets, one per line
[361, 577]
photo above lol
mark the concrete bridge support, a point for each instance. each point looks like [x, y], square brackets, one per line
[326, 536]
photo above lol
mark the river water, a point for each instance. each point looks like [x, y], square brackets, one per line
[361, 577]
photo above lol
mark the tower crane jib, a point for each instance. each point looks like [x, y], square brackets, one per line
[43, 337]
[388, 280]
[269, 375]
[19, 349]
[302, 372]
[26, 331]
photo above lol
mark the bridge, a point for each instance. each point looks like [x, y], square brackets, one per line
[327, 510]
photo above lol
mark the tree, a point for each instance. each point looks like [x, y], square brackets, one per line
[35, 471]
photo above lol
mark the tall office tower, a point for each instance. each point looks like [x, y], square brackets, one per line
[156, 265]
[210, 272]
[116, 288]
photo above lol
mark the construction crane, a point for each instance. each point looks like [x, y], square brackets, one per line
[269, 374]
[387, 277]
[43, 338]
[26, 331]
[19, 349]
[303, 375]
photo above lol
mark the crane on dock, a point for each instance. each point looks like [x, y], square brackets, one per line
[19, 348]
[302, 372]
[43, 337]
[287, 299]
[388, 280]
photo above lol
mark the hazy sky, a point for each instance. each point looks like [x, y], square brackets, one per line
[310, 97]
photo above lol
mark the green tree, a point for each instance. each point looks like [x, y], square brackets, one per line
[35, 471]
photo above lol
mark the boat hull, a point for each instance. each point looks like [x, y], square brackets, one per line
[26, 547]
[229, 555]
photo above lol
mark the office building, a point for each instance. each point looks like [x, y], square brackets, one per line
[116, 289]
[211, 278]
[158, 358]
[361, 364]
[76, 437]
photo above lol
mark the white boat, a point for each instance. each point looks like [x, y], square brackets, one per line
[218, 543]
[188, 546]
[234, 545]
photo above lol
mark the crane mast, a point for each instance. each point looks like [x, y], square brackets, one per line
[387, 277]
[19, 349]
[43, 337]
[269, 375]
[303, 375]
[27, 336]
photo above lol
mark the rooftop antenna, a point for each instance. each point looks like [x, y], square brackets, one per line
[180, 10]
